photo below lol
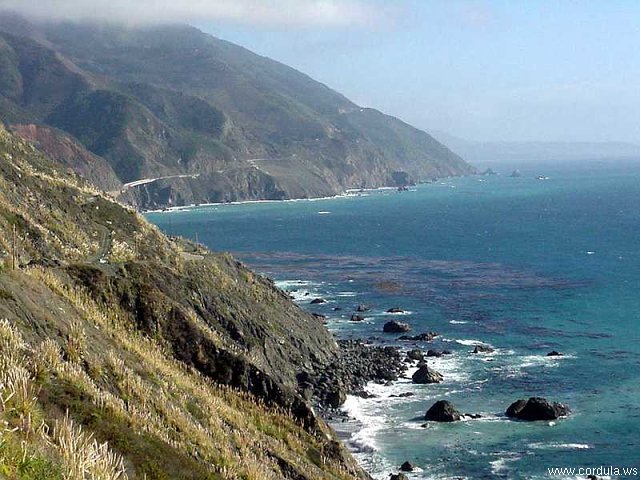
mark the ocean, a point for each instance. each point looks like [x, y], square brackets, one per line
[523, 265]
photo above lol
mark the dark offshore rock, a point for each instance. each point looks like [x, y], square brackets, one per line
[415, 354]
[515, 408]
[362, 308]
[393, 326]
[407, 467]
[483, 349]
[356, 318]
[554, 353]
[395, 310]
[536, 408]
[426, 375]
[337, 309]
[422, 337]
[446, 352]
[434, 353]
[317, 301]
[515, 174]
[442, 411]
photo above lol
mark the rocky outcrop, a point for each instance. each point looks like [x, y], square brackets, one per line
[442, 411]
[421, 337]
[536, 408]
[407, 467]
[353, 367]
[483, 349]
[393, 326]
[426, 375]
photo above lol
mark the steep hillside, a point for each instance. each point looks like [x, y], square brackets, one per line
[126, 354]
[165, 101]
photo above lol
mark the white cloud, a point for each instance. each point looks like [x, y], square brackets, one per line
[287, 13]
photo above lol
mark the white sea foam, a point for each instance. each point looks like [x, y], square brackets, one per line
[472, 342]
[501, 464]
[458, 322]
[564, 446]
[324, 213]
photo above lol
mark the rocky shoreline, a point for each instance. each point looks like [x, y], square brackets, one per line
[361, 362]
[357, 364]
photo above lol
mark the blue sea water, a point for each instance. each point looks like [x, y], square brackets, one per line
[523, 265]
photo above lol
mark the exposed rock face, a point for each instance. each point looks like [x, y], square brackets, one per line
[537, 408]
[394, 326]
[354, 366]
[70, 153]
[442, 411]
[426, 375]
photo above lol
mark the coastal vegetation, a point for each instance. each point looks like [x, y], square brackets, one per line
[121, 357]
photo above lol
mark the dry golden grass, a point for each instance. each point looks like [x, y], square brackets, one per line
[231, 433]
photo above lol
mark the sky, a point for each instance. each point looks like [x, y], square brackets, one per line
[487, 70]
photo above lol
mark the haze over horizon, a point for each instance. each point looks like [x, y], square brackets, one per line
[480, 70]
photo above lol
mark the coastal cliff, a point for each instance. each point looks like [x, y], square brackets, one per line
[200, 119]
[141, 356]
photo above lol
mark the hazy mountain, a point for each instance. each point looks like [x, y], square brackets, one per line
[166, 101]
[519, 152]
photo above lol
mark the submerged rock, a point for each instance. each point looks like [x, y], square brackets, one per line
[426, 375]
[442, 411]
[395, 310]
[317, 301]
[394, 326]
[536, 408]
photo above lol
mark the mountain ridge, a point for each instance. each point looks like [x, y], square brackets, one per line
[162, 101]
